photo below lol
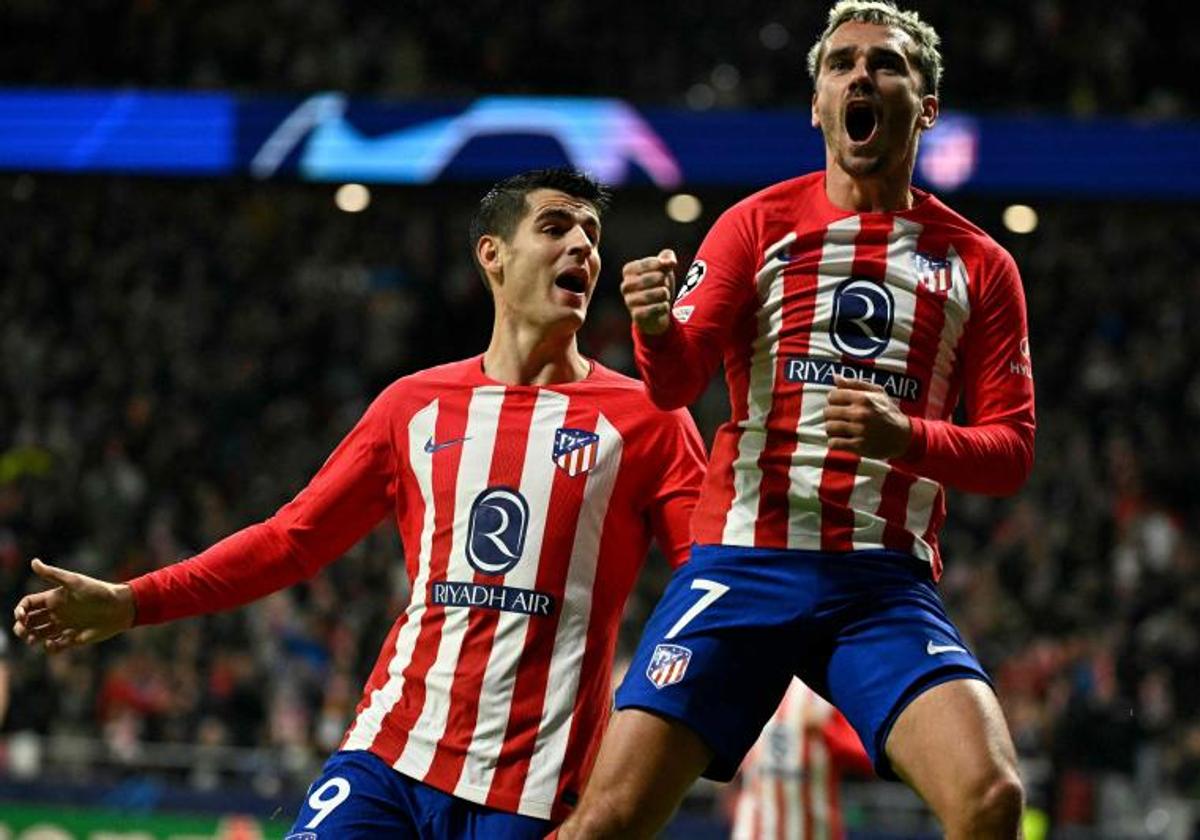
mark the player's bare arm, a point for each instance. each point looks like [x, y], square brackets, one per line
[648, 286]
[861, 418]
[78, 610]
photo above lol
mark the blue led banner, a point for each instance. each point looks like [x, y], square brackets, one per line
[117, 131]
[329, 137]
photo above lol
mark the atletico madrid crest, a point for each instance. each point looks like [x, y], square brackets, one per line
[575, 451]
[668, 665]
[933, 273]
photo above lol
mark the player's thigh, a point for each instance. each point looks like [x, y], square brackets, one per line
[951, 744]
[357, 796]
[894, 644]
[712, 658]
[647, 763]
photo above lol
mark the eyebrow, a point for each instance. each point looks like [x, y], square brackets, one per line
[563, 214]
[873, 52]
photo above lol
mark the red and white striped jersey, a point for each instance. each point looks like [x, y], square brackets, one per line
[789, 291]
[525, 514]
[788, 783]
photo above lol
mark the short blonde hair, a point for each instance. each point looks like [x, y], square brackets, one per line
[927, 58]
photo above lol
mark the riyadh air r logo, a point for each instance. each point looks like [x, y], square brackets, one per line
[496, 530]
[862, 318]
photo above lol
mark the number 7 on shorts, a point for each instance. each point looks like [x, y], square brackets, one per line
[712, 591]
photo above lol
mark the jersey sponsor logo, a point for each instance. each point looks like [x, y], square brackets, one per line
[575, 451]
[1021, 366]
[863, 311]
[431, 447]
[692, 279]
[668, 665]
[934, 649]
[458, 593]
[899, 386]
[304, 835]
[496, 530]
[683, 314]
[933, 273]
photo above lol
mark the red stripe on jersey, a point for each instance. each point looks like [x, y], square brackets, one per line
[398, 722]
[533, 673]
[799, 307]
[840, 468]
[929, 318]
[508, 462]
[595, 673]
[379, 675]
[716, 495]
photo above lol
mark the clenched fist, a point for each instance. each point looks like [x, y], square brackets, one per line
[861, 418]
[648, 286]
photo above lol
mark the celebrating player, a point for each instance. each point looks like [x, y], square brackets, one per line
[852, 312]
[526, 484]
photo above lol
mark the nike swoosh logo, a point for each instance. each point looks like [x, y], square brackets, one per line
[934, 650]
[432, 447]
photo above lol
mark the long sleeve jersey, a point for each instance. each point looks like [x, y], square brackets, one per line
[525, 514]
[789, 291]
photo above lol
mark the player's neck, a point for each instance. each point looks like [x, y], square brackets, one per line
[877, 194]
[524, 357]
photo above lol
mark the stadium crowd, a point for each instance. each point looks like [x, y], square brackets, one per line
[178, 358]
[1062, 56]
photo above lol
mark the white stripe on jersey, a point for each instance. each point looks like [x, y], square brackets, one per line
[804, 476]
[747, 477]
[366, 727]
[475, 462]
[901, 279]
[499, 679]
[570, 640]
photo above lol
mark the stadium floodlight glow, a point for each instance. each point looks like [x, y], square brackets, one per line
[1020, 218]
[352, 198]
[774, 36]
[684, 208]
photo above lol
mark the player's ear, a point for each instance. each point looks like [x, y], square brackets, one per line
[816, 120]
[489, 251]
[930, 108]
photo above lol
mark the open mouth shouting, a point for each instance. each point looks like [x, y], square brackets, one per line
[861, 121]
[573, 280]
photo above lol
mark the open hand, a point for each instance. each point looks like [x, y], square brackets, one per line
[79, 610]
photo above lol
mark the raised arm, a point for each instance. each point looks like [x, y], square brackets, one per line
[350, 494]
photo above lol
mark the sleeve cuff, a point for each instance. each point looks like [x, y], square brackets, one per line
[918, 443]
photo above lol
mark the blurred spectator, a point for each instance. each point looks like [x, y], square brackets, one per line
[1071, 56]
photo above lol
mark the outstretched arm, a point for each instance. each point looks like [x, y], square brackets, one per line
[78, 610]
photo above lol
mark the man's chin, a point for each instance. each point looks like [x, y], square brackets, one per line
[861, 165]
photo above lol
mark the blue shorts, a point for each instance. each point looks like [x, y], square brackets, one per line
[359, 796]
[865, 629]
